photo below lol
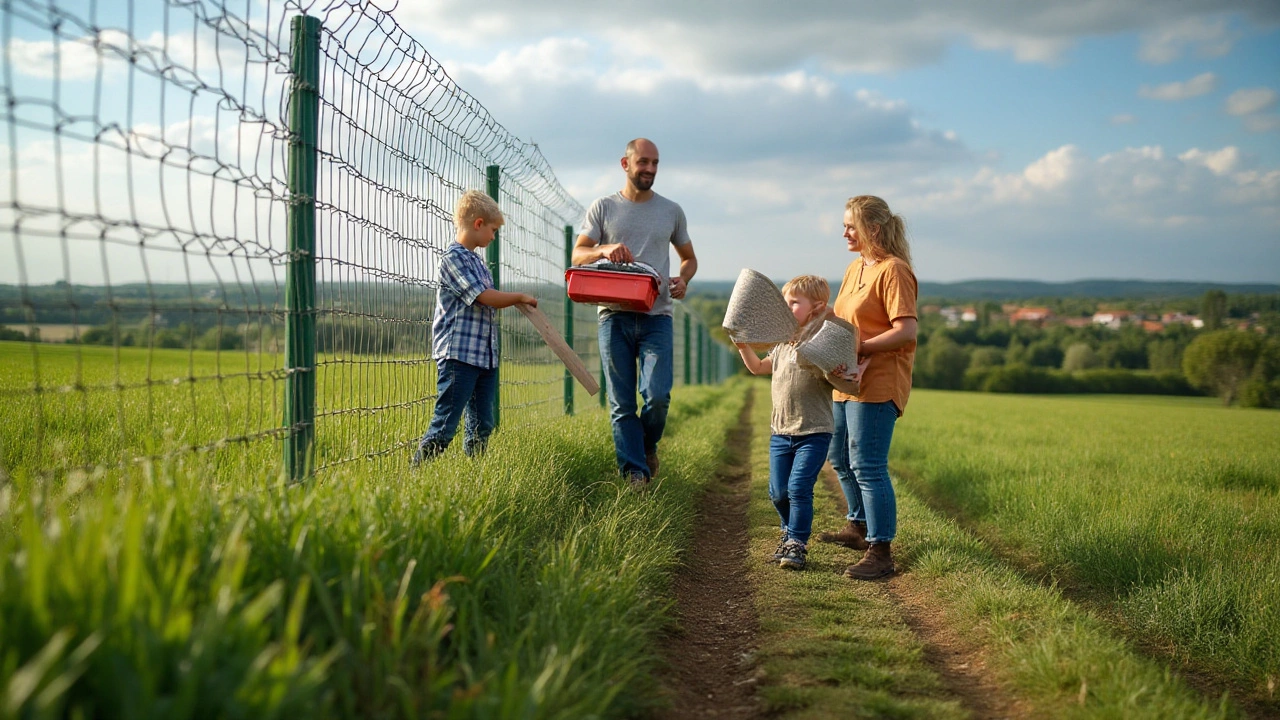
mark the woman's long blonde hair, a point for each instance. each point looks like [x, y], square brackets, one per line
[880, 232]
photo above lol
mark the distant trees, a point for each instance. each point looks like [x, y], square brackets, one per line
[1164, 355]
[1223, 362]
[1080, 356]
[945, 363]
[983, 357]
[1043, 353]
[1213, 309]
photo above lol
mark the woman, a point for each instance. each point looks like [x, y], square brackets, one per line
[878, 295]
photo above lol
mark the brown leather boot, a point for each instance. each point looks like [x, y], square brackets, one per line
[853, 536]
[877, 563]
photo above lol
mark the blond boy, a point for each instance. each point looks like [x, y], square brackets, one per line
[465, 331]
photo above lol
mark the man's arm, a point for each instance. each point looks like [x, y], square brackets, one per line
[688, 268]
[586, 250]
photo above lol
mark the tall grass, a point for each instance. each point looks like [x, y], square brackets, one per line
[105, 405]
[1166, 512]
[528, 583]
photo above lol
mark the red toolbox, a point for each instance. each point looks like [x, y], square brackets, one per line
[634, 291]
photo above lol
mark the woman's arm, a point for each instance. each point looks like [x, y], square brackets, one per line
[753, 361]
[902, 333]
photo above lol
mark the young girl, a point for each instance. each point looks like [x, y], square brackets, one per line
[802, 419]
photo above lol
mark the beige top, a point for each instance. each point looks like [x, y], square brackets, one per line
[801, 394]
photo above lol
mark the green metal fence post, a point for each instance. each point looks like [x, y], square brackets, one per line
[702, 348]
[300, 273]
[688, 350]
[568, 321]
[494, 257]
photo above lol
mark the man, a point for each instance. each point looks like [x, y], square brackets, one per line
[637, 349]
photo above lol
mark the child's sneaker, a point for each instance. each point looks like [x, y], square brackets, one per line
[639, 481]
[794, 555]
[782, 543]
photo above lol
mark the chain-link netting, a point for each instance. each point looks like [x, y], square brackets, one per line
[144, 222]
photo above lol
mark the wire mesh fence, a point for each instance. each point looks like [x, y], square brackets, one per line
[148, 194]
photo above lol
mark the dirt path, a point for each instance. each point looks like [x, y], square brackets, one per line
[959, 665]
[711, 670]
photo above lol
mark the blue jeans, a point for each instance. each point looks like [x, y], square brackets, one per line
[794, 463]
[460, 387]
[860, 456]
[628, 339]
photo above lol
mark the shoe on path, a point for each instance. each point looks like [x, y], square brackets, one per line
[782, 542]
[853, 536]
[794, 556]
[876, 563]
[638, 480]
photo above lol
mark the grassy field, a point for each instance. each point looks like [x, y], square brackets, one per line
[1163, 515]
[530, 583]
[99, 405]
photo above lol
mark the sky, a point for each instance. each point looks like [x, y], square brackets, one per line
[1053, 141]
[1056, 140]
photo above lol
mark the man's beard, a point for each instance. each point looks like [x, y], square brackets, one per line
[641, 182]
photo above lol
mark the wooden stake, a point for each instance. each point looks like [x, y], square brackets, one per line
[560, 347]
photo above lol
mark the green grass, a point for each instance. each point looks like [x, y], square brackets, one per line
[101, 405]
[1162, 514]
[1049, 655]
[527, 584]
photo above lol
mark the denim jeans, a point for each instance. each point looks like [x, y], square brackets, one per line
[460, 387]
[637, 351]
[794, 463]
[860, 456]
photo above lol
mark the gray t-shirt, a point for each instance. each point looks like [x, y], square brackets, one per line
[647, 229]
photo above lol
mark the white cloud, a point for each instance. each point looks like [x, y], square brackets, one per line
[197, 56]
[766, 36]
[75, 59]
[1196, 86]
[1220, 162]
[1124, 119]
[1250, 101]
[1140, 212]
[1135, 213]
[694, 118]
[1262, 123]
[1209, 37]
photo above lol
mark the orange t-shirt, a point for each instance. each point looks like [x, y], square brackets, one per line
[872, 298]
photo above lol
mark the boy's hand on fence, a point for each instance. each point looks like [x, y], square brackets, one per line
[617, 252]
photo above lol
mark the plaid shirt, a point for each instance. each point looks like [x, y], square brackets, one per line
[463, 329]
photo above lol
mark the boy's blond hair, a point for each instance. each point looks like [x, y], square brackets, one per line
[810, 287]
[475, 204]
